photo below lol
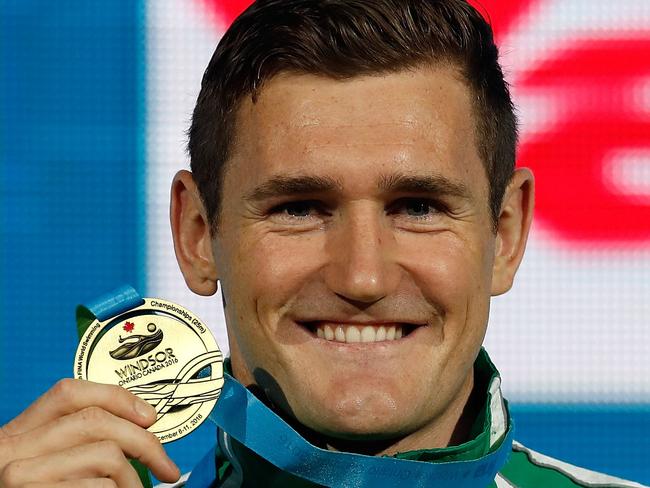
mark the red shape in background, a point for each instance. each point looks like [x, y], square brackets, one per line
[226, 10]
[503, 14]
[592, 87]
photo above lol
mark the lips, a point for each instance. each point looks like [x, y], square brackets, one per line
[360, 333]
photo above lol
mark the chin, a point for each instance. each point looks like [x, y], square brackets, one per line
[376, 429]
[372, 414]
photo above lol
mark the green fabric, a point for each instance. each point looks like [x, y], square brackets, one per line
[84, 319]
[521, 472]
[224, 470]
[143, 473]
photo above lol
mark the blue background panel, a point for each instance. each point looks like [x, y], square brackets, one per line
[607, 438]
[70, 115]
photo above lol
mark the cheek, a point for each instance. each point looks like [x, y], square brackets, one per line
[452, 273]
[268, 270]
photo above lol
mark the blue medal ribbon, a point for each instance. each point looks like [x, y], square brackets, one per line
[114, 303]
[245, 418]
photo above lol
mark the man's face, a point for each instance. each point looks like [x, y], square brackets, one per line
[355, 249]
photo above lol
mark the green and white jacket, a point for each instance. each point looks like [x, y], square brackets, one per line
[237, 466]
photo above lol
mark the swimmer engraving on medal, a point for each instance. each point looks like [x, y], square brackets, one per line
[137, 345]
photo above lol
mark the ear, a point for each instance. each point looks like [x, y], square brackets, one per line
[512, 231]
[192, 238]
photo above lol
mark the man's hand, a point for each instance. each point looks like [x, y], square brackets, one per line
[80, 433]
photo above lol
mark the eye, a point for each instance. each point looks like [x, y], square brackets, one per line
[303, 214]
[300, 209]
[417, 208]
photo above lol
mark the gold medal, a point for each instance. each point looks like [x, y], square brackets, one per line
[162, 353]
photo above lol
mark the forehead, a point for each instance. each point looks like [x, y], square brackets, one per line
[408, 121]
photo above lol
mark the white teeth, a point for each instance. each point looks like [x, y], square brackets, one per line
[339, 334]
[329, 333]
[390, 333]
[354, 334]
[381, 333]
[368, 334]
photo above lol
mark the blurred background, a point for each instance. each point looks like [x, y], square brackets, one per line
[94, 101]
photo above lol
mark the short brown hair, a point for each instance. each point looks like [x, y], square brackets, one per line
[342, 39]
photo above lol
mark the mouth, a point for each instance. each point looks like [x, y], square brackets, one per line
[359, 333]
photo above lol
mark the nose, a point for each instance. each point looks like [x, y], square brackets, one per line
[361, 266]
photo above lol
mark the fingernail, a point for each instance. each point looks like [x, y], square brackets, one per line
[144, 409]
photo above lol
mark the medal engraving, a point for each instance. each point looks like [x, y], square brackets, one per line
[163, 354]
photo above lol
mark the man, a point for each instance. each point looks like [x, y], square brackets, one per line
[354, 193]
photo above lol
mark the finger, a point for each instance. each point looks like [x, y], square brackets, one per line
[92, 425]
[99, 460]
[81, 483]
[68, 396]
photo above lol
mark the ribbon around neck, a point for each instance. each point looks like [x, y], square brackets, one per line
[245, 418]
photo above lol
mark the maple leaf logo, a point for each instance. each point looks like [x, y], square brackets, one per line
[128, 327]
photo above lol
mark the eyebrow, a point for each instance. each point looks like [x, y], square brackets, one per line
[430, 184]
[284, 185]
[293, 185]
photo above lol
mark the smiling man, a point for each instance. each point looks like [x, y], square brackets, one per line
[356, 252]
[354, 193]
